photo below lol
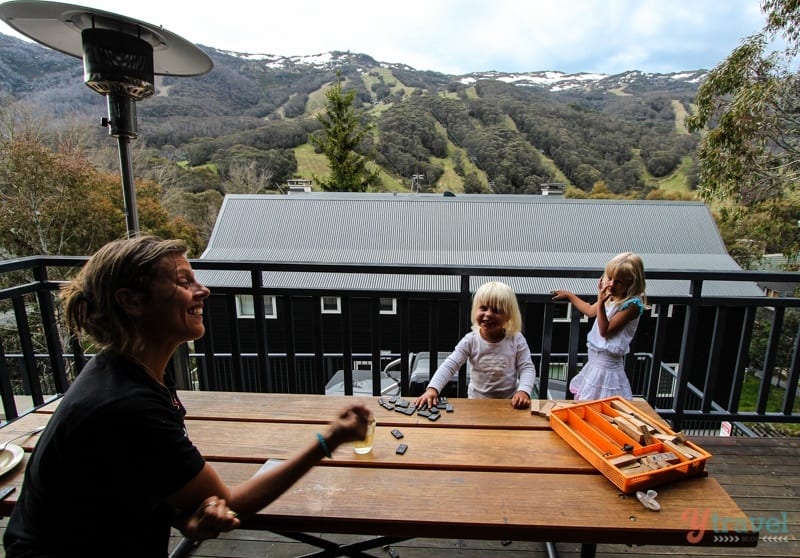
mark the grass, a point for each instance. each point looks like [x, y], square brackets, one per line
[310, 163]
[620, 92]
[677, 181]
[316, 101]
[681, 114]
[749, 400]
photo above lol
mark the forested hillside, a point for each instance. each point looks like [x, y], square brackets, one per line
[495, 136]
[245, 127]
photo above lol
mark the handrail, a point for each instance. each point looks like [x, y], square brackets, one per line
[716, 334]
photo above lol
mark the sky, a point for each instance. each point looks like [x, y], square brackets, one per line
[462, 36]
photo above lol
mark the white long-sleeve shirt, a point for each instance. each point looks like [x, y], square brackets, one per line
[499, 370]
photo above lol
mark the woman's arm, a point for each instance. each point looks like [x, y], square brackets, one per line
[257, 492]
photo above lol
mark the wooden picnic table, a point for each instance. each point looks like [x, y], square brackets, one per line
[482, 471]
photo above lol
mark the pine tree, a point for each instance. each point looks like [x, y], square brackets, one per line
[342, 136]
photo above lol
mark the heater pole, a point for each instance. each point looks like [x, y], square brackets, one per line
[121, 57]
[121, 124]
[128, 190]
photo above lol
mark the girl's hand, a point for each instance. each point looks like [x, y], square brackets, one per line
[210, 519]
[559, 294]
[521, 400]
[430, 398]
[603, 289]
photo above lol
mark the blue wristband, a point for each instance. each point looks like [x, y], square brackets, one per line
[325, 449]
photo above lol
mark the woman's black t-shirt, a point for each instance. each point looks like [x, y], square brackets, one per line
[97, 482]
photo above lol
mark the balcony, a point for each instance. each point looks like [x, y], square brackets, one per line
[692, 358]
[696, 358]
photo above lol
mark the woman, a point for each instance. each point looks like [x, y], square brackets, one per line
[115, 469]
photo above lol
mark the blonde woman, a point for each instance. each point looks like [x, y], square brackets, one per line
[115, 467]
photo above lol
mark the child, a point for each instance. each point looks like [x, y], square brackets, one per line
[497, 350]
[621, 297]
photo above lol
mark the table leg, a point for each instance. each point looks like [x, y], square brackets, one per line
[588, 550]
[331, 549]
[184, 548]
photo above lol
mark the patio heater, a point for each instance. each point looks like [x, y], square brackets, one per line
[120, 56]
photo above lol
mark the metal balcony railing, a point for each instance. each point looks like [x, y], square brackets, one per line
[696, 370]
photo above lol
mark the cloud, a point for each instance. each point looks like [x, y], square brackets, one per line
[461, 36]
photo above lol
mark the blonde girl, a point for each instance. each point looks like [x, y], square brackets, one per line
[621, 297]
[498, 352]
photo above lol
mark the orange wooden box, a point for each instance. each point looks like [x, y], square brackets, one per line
[587, 427]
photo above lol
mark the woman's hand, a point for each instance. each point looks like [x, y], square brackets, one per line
[430, 399]
[210, 519]
[350, 425]
[521, 400]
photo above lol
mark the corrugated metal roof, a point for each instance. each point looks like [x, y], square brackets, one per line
[471, 230]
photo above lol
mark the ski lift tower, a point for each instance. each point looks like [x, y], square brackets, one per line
[415, 180]
[120, 56]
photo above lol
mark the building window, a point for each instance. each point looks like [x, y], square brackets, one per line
[387, 305]
[331, 305]
[655, 310]
[245, 307]
[563, 313]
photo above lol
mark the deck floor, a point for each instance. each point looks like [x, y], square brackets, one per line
[761, 474]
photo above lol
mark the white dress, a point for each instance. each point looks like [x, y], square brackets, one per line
[603, 375]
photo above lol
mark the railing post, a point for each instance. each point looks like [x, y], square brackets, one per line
[769, 359]
[347, 346]
[30, 378]
[375, 344]
[572, 349]
[403, 306]
[712, 370]
[742, 358]
[791, 382]
[319, 357]
[547, 348]
[659, 340]
[209, 364]
[291, 348]
[687, 351]
[262, 345]
[50, 326]
[464, 317]
[236, 345]
[6, 389]
[433, 338]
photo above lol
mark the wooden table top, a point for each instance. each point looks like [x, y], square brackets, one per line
[484, 470]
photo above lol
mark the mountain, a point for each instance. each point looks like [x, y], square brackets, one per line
[508, 133]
